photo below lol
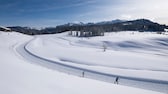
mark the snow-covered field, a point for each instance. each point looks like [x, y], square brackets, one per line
[140, 55]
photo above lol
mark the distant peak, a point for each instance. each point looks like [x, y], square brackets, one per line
[111, 22]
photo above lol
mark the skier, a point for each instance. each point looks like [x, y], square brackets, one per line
[116, 80]
[83, 74]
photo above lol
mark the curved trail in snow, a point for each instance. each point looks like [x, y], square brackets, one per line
[149, 84]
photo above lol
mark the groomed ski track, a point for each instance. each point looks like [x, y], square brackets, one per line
[149, 84]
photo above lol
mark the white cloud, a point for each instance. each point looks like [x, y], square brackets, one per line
[126, 16]
[155, 10]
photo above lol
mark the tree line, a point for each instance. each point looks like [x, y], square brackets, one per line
[87, 30]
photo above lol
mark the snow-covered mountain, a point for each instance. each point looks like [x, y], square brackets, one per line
[91, 23]
[74, 24]
[2, 28]
[110, 22]
[105, 26]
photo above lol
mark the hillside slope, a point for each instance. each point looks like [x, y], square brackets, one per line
[19, 76]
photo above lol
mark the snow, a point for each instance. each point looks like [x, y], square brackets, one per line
[5, 28]
[20, 76]
[142, 55]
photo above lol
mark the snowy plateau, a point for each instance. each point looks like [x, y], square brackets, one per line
[64, 64]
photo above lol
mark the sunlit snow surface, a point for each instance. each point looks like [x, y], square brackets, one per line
[20, 76]
[132, 54]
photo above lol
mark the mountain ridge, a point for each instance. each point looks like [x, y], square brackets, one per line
[104, 26]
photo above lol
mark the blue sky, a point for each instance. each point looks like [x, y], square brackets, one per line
[44, 13]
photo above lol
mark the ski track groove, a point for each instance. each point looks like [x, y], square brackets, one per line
[150, 84]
